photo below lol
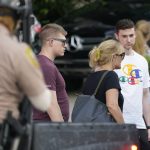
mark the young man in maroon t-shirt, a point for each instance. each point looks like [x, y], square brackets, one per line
[53, 41]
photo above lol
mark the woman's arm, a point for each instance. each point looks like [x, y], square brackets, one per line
[112, 104]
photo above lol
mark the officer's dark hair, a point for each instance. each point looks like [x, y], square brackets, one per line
[124, 24]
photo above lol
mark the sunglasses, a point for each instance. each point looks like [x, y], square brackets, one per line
[63, 41]
[122, 55]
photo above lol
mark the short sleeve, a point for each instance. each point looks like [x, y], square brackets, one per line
[28, 72]
[112, 81]
[146, 78]
[49, 72]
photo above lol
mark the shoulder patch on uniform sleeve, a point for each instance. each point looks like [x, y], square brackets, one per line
[31, 57]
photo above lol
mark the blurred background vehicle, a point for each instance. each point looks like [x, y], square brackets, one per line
[87, 26]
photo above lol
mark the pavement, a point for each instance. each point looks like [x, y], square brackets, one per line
[72, 98]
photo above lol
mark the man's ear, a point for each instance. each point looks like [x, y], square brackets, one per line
[116, 36]
[50, 43]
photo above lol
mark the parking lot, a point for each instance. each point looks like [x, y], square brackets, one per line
[72, 97]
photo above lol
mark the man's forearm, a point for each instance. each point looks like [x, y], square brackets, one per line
[54, 110]
[146, 113]
[146, 107]
[55, 114]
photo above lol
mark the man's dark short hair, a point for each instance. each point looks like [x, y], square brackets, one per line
[124, 24]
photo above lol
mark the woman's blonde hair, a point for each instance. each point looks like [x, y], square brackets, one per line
[139, 43]
[102, 54]
[144, 27]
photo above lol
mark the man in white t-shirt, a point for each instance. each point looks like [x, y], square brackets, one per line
[134, 81]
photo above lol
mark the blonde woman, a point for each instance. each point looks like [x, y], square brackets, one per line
[107, 56]
[144, 27]
[139, 45]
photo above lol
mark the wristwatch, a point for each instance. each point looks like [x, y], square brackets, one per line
[148, 127]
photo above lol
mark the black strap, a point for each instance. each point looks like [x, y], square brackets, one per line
[100, 81]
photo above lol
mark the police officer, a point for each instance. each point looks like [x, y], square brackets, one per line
[20, 73]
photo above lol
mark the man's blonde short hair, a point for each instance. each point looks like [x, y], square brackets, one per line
[51, 30]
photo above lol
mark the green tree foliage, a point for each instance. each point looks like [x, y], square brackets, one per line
[148, 60]
[50, 10]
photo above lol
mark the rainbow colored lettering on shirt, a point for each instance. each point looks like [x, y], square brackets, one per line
[131, 74]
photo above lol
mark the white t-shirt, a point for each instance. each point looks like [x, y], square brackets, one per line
[133, 77]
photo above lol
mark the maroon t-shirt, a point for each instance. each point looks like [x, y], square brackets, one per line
[55, 82]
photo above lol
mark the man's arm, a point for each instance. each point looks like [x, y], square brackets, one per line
[54, 111]
[146, 108]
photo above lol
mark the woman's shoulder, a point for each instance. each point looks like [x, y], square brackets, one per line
[97, 75]
[100, 73]
[112, 80]
[112, 75]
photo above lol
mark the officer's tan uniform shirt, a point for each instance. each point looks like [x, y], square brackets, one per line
[19, 74]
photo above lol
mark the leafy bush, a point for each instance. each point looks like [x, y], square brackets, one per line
[148, 60]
